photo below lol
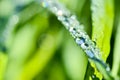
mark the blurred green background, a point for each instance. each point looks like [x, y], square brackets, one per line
[34, 45]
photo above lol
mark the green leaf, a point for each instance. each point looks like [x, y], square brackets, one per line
[102, 22]
[116, 57]
[3, 64]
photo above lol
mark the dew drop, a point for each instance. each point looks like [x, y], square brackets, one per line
[65, 18]
[89, 53]
[94, 42]
[59, 13]
[86, 44]
[80, 40]
[107, 68]
[93, 76]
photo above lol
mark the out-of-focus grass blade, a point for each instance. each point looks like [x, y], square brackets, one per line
[116, 58]
[42, 56]
[6, 8]
[18, 20]
[102, 21]
[56, 72]
[3, 63]
[29, 12]
[24, 44]
[74, 60]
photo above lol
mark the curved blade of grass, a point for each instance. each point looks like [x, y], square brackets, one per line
[102, 21]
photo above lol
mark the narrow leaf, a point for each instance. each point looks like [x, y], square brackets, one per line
[102, 22]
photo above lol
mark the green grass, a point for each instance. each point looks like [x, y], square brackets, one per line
[34, 45]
